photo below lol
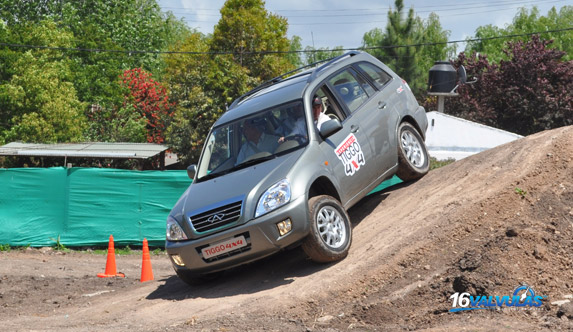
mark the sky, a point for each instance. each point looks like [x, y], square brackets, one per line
[331, 23]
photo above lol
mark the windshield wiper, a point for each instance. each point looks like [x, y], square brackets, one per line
[253, 162]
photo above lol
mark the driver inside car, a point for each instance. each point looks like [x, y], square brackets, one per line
[257, 140]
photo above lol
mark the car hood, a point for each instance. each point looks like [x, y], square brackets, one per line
[247, 184]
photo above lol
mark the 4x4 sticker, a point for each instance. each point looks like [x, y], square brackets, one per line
[351, 155]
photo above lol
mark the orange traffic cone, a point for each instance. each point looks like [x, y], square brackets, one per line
[146, 272]
[110, 270]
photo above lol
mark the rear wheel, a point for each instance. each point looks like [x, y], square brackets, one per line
[412, 154]
[330, 232]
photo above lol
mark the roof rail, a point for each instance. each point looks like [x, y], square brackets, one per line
[317, 71]
[280, 78]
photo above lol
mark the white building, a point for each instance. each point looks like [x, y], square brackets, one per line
[450, 137]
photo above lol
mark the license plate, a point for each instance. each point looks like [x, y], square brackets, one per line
[224, 247]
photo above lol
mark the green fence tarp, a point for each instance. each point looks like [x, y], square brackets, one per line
[84, 206]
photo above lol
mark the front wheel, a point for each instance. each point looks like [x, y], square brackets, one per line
[412, 154]
[330, 232]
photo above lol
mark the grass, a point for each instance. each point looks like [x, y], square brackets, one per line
[59, 245]
[434, 163]
[520, 192]
[93, 250]
[126, 251]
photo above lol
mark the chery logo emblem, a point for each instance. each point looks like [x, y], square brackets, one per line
[216, 217]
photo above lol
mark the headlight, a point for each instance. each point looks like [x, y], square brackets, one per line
[174, 231]
[275, 197]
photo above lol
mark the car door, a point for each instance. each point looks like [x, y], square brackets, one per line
[349, 152]
[384, 116]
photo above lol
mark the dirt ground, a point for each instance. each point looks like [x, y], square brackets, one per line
[483, 225]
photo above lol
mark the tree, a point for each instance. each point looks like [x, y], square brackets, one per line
[526, 22]
[436, 45]
[410, 62]
[295, 56]
[117, 25]
[248, 31]
[528, 93]
[148, 98]
[230, 62]
[314, 55]
[38, 102]
[400, 31]
[201, 87]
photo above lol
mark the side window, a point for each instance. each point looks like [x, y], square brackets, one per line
[350, 90]
[378, 76]
[330, 106]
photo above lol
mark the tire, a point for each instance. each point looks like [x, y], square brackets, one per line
[196, 279]
[330, 232]
[413, 159]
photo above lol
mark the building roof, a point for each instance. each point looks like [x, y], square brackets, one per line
[85, 150]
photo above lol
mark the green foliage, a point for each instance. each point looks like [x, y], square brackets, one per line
[526, 22]
[5, 247]
[432, 33]
[115, 124]
[202, 86]
[46, 95]
[314, 55]
[59, 245]
[434, 163]
[295, 58]
[520, 192]
[528, 93]
[38, 102]
[247, 29]
[124, 250]
[411, 63]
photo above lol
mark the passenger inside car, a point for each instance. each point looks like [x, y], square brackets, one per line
[257, 141]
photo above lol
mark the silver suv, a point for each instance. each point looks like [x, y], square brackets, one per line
[284, 163]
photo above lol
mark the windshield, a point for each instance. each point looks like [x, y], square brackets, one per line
[253, 139]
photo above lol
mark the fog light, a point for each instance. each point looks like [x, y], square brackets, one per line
[284, 227]
[177, 260]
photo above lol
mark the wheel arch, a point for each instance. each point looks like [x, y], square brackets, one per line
[323, 186]
[413, 122]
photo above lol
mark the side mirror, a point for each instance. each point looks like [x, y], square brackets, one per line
[191, 170]
[330, 127]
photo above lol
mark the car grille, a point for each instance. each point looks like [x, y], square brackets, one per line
[216, 218]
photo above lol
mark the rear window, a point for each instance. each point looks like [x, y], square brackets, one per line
[350, 90]
[378, 76]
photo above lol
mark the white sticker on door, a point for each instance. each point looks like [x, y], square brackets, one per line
[351, 155]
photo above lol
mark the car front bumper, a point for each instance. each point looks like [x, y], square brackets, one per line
[261, 234]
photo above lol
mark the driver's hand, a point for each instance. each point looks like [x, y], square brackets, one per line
[282, 139]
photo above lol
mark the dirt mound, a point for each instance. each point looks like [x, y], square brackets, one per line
[483, 225]
[491, 222]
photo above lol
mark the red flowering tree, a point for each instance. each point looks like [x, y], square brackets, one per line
[150, 99]
[526, 94]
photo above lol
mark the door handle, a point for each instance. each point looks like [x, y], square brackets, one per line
[354, 129]
[381, 105]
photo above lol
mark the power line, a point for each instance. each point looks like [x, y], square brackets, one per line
[456, 6]
[129, 52]
[376, 12]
